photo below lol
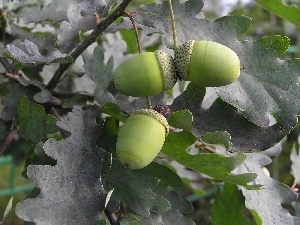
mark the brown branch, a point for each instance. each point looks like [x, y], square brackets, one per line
[204, 147]
[7, 65]
[67, 94]
[113, 219]
[88, 41]
[20, 75]
[17, 75]
[3, 25]
[7, 140]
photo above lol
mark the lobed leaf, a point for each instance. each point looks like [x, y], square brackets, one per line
[11, 100]
[114, 111]
[162, 173]
[245, 136]
[266, 85]
[70, 191]
[213, 165]
[266, 203]
[98, 71]
[288, 12]
[92, 7]
[135, 190]
[229, 202]
[295, 170]
[181, 119]
[217, 138]
[33, 55]
[33, 121]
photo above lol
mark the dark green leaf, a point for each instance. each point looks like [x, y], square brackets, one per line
[229, 202]
[108, 137]
[288, 12]
[135, 190]
[158, 17]
[214, 165]
[162, 173]
[278, 43]
[181, 119]
[217, 138]
[114, 111]
[266, 85]
[245, 136]
[11, 100]
[33, 121]
[295, 170]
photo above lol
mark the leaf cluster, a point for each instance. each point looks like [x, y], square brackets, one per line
[57, 91]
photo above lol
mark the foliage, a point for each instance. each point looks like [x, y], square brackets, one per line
[56, 77]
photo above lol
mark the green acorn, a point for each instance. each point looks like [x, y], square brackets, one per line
[207, 63]
[146, 74]
[141, 138]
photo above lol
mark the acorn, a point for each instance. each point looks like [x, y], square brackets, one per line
[207, 63]
[141, 138]
[146, 74]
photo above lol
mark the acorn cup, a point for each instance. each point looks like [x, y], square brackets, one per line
[146, 74]
[207, 63]
[141, 138]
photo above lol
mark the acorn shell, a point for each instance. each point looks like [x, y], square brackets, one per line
[146, 74]
[207, 63]
[141, 138]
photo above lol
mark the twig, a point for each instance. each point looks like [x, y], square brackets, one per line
[6, 64]
[204, 147]
[17, 75]
[173, 26]
[25, 80]
[88, 41]
[7, 141]
[113, 219]
[135, 31]
[67, 94]
[3, 25]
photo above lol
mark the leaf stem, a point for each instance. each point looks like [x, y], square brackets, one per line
[173, 26]
[113, 219]
[139, 46]
[7, 140]
[87, 42]
[149, 102]
[135, 30]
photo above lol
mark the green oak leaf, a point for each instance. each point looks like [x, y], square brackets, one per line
[135, 190]
[266, 203]
[217, 138]
[33, 121]
[213, 165]
[265, 88]
[114, 111]
[288, 12]
[72, 190]
[98, 71]
[182, 119]
[229, 202]
[11, 99]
